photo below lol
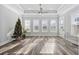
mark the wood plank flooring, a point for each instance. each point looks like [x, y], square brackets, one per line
[43, 45]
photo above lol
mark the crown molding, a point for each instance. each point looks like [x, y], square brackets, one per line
[15, 10]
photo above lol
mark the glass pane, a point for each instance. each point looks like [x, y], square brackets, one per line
[44, 25]
[53, 26]
[27, 25]
[35, 25]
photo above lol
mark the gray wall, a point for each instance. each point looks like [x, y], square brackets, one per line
[7, 21]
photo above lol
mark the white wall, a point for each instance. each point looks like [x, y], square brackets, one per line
[67, 23]
[8, 19]
[66, 11]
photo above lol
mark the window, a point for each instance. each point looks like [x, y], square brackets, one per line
[28, 25]
[53, 26]
[75, 26]
[61, 24]
[36, 26]
[44, 25]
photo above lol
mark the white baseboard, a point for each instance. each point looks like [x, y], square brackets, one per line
[5, 42]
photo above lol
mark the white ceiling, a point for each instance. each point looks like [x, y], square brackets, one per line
[37, 7]
[60, 8]
[47, 8]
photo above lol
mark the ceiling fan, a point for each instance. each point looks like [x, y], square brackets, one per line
[40, 11]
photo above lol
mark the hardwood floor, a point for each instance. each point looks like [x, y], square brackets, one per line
[40, 46]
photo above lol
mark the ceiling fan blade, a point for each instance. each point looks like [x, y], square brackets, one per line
[37, 11]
